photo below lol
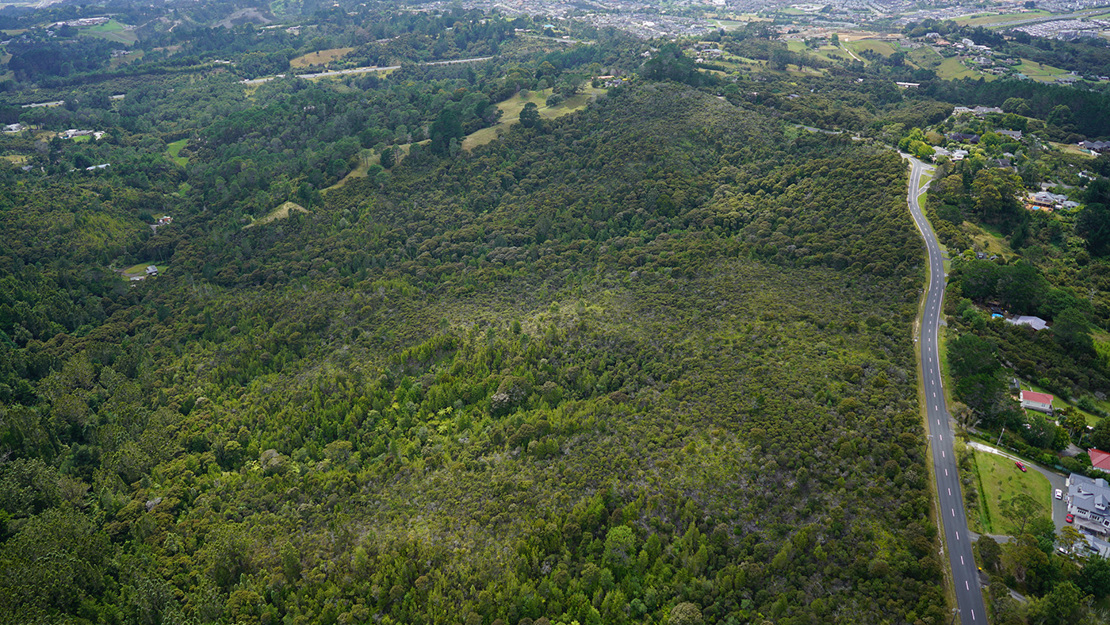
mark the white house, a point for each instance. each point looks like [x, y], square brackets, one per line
[1041, 402]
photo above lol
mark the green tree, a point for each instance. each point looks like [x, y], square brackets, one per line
[530, 115]
[389, 157]
[1020, 509]
[685, 614]
[1073, 332]
[620, 548]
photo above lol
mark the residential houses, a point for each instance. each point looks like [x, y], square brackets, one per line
[1041, 402]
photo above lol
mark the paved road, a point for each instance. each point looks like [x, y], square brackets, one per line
[1059, 508]
[957, 538]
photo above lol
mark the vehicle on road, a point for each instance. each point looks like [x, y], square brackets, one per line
[1070, 518]
[1059, 494]
[1021, 466]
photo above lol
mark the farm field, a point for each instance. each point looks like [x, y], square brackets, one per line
[112, 31]
[952, 69]
[320, 57]
[999, 18]
[1039, 71]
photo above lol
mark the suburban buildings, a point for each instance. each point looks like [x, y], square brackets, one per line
[1041, 402]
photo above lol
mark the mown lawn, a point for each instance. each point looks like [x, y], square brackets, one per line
[1000, 481]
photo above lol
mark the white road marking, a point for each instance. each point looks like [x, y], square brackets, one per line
[957, 535]
[953, 510]
[961, 560]
[973, 615]
[967, 586]
[946, 472]
[949, 492]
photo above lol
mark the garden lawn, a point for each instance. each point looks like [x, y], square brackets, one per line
[1000, 481]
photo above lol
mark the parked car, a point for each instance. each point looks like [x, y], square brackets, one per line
[1070, 518]
[1059, 494]
[1021, 466]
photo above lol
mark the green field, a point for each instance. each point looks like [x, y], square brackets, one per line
[140, 269]
[925, 57]
[952, 68]
[999, 18]
[174, 149]
[874, 45]
[999, 481]
[511, 108]
[112, 31]
[1039, 71]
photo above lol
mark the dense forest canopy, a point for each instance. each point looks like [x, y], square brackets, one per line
[522, 330]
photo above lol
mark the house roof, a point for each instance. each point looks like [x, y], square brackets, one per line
[1092, 495]
[1025, 320]
[1040, 398]
[1099, 459]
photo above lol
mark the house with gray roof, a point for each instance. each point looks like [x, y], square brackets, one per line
[1089, 500]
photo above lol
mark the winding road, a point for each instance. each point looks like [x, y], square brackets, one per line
[957, 538]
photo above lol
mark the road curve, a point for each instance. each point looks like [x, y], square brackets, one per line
[953, 518]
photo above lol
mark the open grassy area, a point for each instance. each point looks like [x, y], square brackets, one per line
[320, 57]
[1039, 71]
[882, 47]
[999, 18]
[174, 149]
[925, 57]
[281, 212]
[112, 31]
[951, 69]
[988, 239]
[511, 108]
[140, 269]
[1000, 481]
[16, 159]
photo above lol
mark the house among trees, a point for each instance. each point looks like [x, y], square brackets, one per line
[1041, 402]
[963, 137]
[151, 270]
[1026, 320]
[1099, 459]
[1095, 146]
[165, 220]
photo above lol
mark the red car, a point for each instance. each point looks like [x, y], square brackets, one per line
[1020, 466]
[1070, 518]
